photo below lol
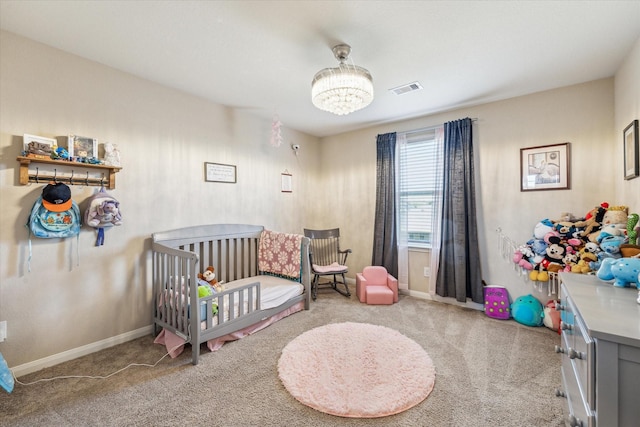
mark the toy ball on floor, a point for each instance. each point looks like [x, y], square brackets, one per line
[527, 310]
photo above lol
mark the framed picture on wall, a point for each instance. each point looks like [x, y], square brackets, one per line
[631, 149]
[545, 167]
[286, 182]
[81, 146]
[218, 172]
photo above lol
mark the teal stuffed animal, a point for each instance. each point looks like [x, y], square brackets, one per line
[528, 311]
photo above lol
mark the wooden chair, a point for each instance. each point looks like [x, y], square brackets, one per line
[327, 259]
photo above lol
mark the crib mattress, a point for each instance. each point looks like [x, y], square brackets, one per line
[274, 291]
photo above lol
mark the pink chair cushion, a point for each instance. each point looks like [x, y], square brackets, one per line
[332, 268]
[379, 295]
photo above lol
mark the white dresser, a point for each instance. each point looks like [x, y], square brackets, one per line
[600, 343]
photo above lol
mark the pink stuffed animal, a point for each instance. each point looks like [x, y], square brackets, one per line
[551, 317]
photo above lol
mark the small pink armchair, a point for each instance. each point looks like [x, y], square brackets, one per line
[375, 286]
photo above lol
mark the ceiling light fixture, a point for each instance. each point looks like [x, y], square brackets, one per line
[344, 89]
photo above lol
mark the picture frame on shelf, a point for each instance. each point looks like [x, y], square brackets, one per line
[82, 146]
[631, 151]
[219, 172]
[38, 146]
[545, 167]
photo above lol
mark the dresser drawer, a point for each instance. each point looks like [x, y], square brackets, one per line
[583, 355]
[577, 409]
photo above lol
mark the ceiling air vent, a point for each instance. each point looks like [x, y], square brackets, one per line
[406, 88]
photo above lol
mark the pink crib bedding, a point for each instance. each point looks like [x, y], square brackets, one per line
[175, 344]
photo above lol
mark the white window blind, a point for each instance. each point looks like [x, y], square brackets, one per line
[418, 184]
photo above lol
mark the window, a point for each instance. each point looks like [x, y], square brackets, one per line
[419, 183]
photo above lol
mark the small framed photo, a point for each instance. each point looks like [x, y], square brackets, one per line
[545, 167]
[81, 146]
[218, 172]
[38, 146]
[286, 184]
[631, 149]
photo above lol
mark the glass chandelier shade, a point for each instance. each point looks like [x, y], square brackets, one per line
[344, 89]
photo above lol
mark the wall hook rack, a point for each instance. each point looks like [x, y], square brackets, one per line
[107, 178]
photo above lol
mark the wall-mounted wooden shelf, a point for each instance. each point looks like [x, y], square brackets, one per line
[73, 173]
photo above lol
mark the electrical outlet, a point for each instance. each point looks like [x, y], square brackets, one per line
[427, 272]
[3, 330]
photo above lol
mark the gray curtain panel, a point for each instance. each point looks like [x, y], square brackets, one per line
[385, 248]
[459, 273]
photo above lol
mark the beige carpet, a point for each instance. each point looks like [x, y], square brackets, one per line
[489, 373]
[358, 370]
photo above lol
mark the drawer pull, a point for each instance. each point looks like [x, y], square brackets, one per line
[560, 393]
[573, 354]
[574, 422]
[566, 326]
[559, 349]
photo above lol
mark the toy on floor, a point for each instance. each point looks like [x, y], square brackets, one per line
[551, 317]
[6, 378]
[496, 302]
[527, 310]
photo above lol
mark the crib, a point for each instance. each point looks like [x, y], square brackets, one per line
[243, 258]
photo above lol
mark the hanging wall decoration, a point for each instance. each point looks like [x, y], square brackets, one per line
[631, 148]
[276, 132]
[286, 182]
[545, 168]
[218, 172]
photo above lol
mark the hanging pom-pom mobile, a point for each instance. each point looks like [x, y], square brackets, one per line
[276, 133]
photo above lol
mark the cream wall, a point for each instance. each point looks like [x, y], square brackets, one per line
[164, 136]
[582, 115]
[627, 105]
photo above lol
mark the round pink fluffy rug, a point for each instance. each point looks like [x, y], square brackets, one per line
[356, 370]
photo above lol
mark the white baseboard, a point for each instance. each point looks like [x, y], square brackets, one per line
[425, 295]
[74, 353]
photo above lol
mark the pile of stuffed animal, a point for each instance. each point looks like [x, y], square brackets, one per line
[580, 245]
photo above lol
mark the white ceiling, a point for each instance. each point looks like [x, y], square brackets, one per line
[262, 55]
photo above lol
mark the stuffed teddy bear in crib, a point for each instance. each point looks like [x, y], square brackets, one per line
[209, 276]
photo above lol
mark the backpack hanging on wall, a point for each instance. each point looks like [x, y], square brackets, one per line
[54, 215]
[103, 211]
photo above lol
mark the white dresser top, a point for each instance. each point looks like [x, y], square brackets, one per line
[609, 313]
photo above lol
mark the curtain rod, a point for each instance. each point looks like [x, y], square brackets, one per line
[475, 119]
